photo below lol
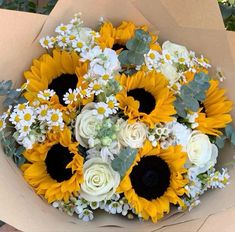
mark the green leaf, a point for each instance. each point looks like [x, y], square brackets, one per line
[220, 141]
[124, 160]
[233, 138]
[135, 58]
[226, 11]
[228, 131]
[123, 57]
[143, 35]
[6, 85]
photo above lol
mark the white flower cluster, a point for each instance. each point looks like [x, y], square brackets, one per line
[71, 37]
[84, 209]
[198, 185]
[173, 61]
[32, 122]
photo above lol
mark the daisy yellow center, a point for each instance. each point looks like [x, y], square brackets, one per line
[96, 87]
[71, 97]
[111, 104]
[43, 113]
[25, 128]
[63, 39]
[54, 117]
[1, 123]
[21, 107]
[168, 57]
[27, 117]
[63, 28]
[79, 44]
[105, 77]
[46, 42]
[17, 119]
[101, 110]
[152, 56]
[181, 59]
[46, 94]
[83, 92]
[72, 37]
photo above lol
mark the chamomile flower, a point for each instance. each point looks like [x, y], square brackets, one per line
[47, 42]
[71, 96]
[63, 41]
[112, 103]
[105, 78]
[2, 122]
[15, 118]
[76, 21]
[96, 87]
[20, 107]
[24, 130]
[84, 93]
[78, 45]
[167, 58]
[102, 110]
[55, 119]
[27, 116]
[46, 94]
[63, 29]
[152, 59]
[42, 112]
[202, 61]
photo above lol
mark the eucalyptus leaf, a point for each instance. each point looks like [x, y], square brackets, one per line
[124, 160]
[220, 141]
[233, 138]
[229, 131]
[135, 58]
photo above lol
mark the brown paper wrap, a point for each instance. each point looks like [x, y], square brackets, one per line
[195, 24]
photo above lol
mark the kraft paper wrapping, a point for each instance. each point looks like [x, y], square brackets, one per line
[195, 24]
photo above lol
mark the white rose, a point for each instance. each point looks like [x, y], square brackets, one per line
[175, 50]
[132, 135]
[170, 72]
[86, 126]
[100, 180]
[201, 152]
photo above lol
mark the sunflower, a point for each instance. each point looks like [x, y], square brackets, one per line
[58, 72]
[146, 97]
[155, 180]
[214, 114]
[116, 38]
[55, 168]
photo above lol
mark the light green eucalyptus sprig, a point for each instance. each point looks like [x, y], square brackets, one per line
[192, 94]
[228, 135]
[13, 96]
[11, 147]
[136, 48]
[124, 160]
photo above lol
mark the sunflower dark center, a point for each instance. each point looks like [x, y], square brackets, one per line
[150, 178]
[62, 83]
[145, 98]
[118, 46]
[58, 157]
[203, 108]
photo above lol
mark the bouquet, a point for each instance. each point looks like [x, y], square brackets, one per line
[110, 119]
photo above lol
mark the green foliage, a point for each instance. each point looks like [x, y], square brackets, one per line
[136, 48]
[124, 160]
[227, 9]
[228, 135]
[28, 5]
[13, 97]
[11, 147]
[192, 94]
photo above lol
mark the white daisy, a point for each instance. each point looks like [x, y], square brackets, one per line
[47, 42]
[55, 118]
[84, 93]
[102, 110]
[24, 131]
[71, 96]
[112, 104]
[42, 112]
[79, 45]
[20, 107]
[96, 87]
[63, 29]
[27, 116]
[15, 118]
[167, 58]
[46, 94]
[63, 41]
[2, 122]
[152, 59]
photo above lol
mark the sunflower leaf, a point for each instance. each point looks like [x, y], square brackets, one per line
[124, 160]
